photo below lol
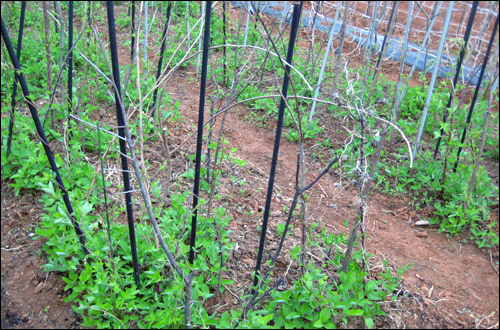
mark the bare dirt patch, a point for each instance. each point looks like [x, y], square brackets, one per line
[31, 298]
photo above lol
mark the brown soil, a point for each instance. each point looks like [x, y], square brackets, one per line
[452, 283]
[31, 298]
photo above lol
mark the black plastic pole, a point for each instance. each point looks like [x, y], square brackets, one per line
[199, 141]
[41, 136]
[224, 48]
[293, 34]
[158, 72]
[70, 58]
[56, 15]
[16, 77]
[133, 33]
[121, 132]
[89, 7]
[457, 73]
[128, 14]
[476, 92]
[386, 32]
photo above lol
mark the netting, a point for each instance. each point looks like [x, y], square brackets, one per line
[321, 17]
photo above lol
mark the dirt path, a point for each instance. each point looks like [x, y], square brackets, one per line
[31, 298]
[452, 283]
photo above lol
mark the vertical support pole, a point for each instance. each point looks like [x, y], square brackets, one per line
[457, 73]
[56, 16]
[388, 34]
[293, 35]
[476, 92]
[145, 32]
[368, 47]
[89, 7]
[70, 58]
[435, 69]
[325, 60]
[224, 40]
[16, 77]
[199, 41]
[199, 141]
[121, 132]
[246, 29]
[188, 26]
[133, 34]
[385, 37]
[401, 68]
[41, 134]
[160, 62]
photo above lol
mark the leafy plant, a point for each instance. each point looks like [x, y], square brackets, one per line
[456, 210]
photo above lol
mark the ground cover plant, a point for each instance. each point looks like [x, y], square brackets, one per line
[139, 219]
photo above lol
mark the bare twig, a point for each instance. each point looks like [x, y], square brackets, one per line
[473, 295]
[491, 260]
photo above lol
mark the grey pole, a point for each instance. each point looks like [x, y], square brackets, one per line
[246, 28]
[434, 75]
[405, 48]
[325, 59]
[369, 45]
[145, 31]
[189, 29]
[199, 40]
